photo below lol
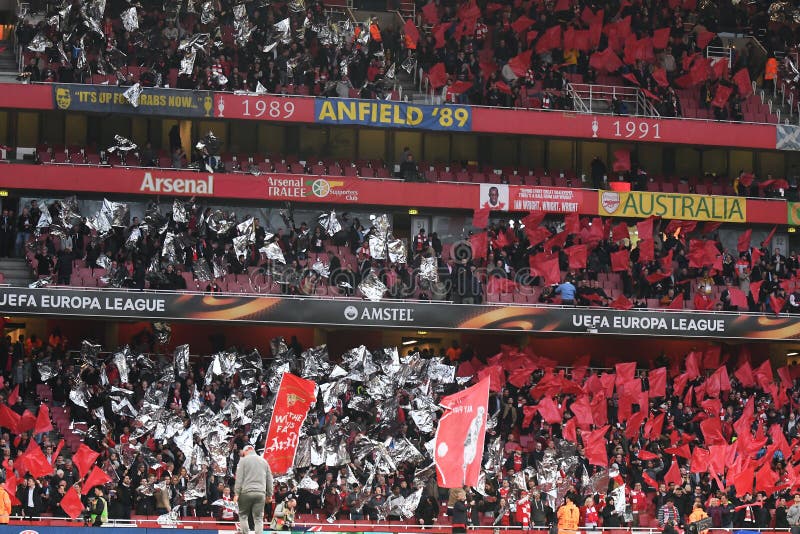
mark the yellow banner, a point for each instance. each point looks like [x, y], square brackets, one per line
[643, 204]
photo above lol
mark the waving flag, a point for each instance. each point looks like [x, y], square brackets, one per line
[458, 445]
[295, 397]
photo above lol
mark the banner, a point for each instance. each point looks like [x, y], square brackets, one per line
[264, 107]
[295, 396]
[458, 444]
[643, 204]
[309, 312]
[627, 129]
[392, 114]
[502, 197]
[793, 213]
[152, 101]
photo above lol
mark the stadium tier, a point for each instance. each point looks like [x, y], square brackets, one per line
[445, 265]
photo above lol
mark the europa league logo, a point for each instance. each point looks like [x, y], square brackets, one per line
[595, 127]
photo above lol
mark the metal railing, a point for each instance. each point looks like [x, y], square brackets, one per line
[720, 52]
[594, 98]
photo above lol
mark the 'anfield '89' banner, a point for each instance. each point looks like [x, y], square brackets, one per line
[295, 397]
[309, 312]
[391, 114]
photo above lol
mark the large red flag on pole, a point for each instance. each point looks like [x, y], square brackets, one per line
[458, 445]
[295, 396]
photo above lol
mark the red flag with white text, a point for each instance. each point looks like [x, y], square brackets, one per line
[295, 396]
[458, 446]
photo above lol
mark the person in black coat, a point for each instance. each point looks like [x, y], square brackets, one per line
[30, 495]
[64, 266]
[611, 518]
[428, 511]
[460, 510]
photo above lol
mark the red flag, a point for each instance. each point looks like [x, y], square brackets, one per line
[703, 38]
[776, 304]
[621, 303]
[412, 34]
[84, 458]
[71, 503]
[645, 228]
[647, 250]
[703, 302]
[437, 76]
[27, 421]
[479, 243]
[620, 260]
[550, 39]
[743, 84]
[673, 475]
[295, 396]
[652, 429]
[634, 425]
[595, 446]
[458, 444]
[11, 487]
[582, 409]
[710, 227]
[677, 303]
[9, 419]
[712, 431]
[568, 430]
[480, 218]
[699, 461]
[682, 450]
[743, 244]
[98, 477]
[496, 375]
[606, 60]
[620, 232]
[546, 267]
[622, 160]
[700, 70]
[755, 290]
[430, 13]
[57, 451]
[577, 255]
[13, 397]
[43, 423]
[650, 481]
[533, 219]
[521, 25]
[646, 455]
[572, 223]
[766, 479]
[660, 76]
[657, 378]
[661, 38]
[549, 411]
[36, 461]
[521, 63]
[744, 374]
[743, 481]
[768, 239]
[693, 364]
[721, 96]
[738, 298]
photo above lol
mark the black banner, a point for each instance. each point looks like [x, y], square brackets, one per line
[152, 101]
[151, 305]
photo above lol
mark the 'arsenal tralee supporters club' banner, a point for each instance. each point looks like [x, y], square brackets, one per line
[458, 444]
[295, 397]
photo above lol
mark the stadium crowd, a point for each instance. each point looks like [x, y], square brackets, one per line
[718, 438]
[489, 53]
[547, 259]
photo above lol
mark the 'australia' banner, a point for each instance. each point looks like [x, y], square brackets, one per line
[310, 312]
[152, 100]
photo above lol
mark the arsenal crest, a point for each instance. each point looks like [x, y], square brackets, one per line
[610, 201]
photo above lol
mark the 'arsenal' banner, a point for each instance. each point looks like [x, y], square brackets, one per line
[295, 396]
[460, 435]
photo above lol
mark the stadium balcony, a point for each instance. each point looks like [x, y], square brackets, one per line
[456, 172]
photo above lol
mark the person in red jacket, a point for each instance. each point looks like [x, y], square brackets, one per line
[523, 514]
[638, 502]
[591, 517]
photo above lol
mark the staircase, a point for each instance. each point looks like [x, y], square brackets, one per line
[16, 272]
[8, 61]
